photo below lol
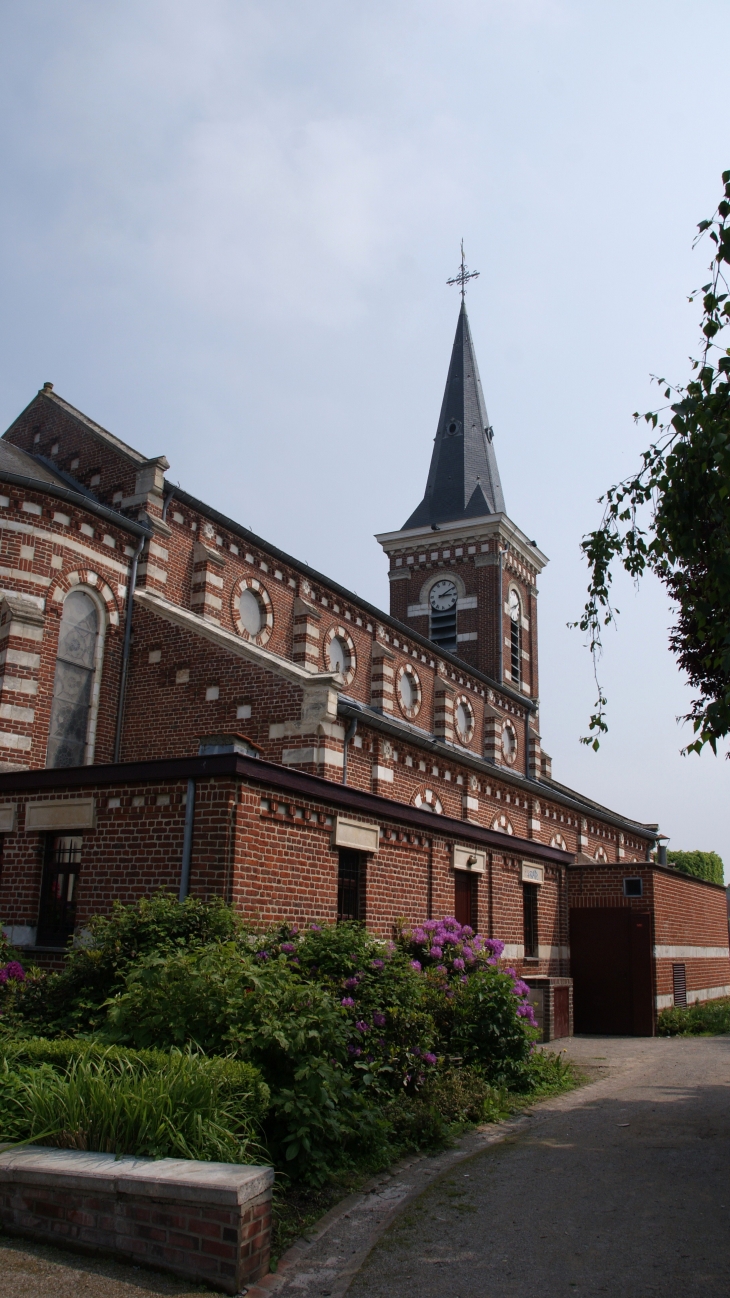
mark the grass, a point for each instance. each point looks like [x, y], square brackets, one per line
[182, 1109]
[704, 1019]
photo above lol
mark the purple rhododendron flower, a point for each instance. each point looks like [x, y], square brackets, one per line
[441, 968]
[351, 983]
[288, 947]
[467, 931]
[415, 1050]
[416, 964]
[262, 955]
[379, 1020]
[347, 1001]
[315, 928]
[512, 972]
[419, 937]
[377, 964]
[436, 952]
[495, 946]
[354, 1051]
[463, 979]
[458, 963]
[520, 988]
[362, 1026]
[429, 925]
[428, 1058]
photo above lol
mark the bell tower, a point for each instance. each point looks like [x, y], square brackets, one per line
[461, 572]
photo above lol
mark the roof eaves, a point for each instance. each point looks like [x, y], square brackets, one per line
[404, 730]
[75, 498]
[193, 503]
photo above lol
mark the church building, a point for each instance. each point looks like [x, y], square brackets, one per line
[184, 706]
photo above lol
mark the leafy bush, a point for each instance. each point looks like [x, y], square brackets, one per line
[706, 1017]
[73, 1000]
[366, 1046]
[702, 865]
[185, 1107]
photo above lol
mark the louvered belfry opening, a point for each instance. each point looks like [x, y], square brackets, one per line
[679, 980]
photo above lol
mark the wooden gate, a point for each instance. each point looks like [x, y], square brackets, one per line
[610, 955]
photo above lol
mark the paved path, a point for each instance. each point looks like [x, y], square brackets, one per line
[621, 1189]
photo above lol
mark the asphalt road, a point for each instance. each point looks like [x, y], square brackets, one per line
[625, 1191]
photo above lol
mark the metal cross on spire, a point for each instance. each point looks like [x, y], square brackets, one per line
[463, 276]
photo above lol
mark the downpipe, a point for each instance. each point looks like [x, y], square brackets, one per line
[127, 642]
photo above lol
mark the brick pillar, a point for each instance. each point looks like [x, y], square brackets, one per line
[382, 676]
[443, 712]
[534, 755]
[206, 588]
[21, 634]
[305, 635]
[534, 824]
[493, 738]
[383, 769]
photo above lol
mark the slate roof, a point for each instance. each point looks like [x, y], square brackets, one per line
[463, 481]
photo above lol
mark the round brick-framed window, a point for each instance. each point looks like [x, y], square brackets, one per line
[253, 612]
[464, 719]
[339, 653]
[502, 825]
[509, 742]
[427, 800]
[408, 688]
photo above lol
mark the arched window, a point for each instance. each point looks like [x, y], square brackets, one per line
[515, 613]
[73, 685]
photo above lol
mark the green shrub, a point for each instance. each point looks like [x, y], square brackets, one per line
[74, 999]
[702, 865]
[184, 1108]
[706, 1017]
[235, 1079]
[367, 1047]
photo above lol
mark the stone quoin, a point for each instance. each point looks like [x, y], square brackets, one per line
[184, 706]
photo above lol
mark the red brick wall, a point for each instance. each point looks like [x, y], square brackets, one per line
[687, 914]
[224, 1247]
[273, 857]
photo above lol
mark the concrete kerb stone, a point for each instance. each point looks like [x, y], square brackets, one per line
[314, 1265]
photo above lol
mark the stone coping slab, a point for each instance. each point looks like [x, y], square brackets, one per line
[180, 1179]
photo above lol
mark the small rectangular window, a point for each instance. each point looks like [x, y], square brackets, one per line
[530, 892]
[633, 887]
[349, 884]
[57, 915]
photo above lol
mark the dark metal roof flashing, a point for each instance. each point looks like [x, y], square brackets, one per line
[463, 480]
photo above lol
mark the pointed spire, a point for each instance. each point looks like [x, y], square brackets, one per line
[463, 481]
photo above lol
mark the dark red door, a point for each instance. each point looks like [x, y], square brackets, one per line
[463, 896]
[610, 956]
[561, 1011]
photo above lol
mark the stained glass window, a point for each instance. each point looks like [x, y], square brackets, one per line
[72, 686]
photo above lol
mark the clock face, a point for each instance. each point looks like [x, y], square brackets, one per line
[443, 596]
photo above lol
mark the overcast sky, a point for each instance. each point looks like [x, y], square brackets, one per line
[225, 231]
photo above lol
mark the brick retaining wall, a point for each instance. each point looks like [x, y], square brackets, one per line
[208, 1222]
